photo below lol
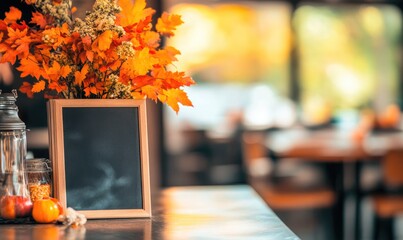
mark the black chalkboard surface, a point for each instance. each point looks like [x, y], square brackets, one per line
[100, 157]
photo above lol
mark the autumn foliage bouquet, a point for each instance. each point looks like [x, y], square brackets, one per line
[114, 52]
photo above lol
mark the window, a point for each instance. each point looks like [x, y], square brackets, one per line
[230, 49]
[238, 53]
[348, 57]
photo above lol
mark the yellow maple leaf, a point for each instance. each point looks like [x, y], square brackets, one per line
[140, 64]
[151, 39]
[55, 35]
[137, 95]
[150, 91]
[38, 87]
[175, 96]
[132, 12]
[167, 23]
[167, 55]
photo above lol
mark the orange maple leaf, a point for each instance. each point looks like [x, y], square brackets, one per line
[26, 88]
[3, 25]
[83, 57]
[13, 15]
[94, 89]
[150, 91]
[132, 12]
[56, 86]
[38, 19]
[55, 35]
[65, 71]
[113, 65]
[140, 64]
[166, 24]
[29, 66]
[141, 81]
[138, 95]
[87, 41]
[172, 79]
[52, 72]
[104, 40]
[38, 86]
[89, 55]
[175, 96]
[151, 39]
[9, 55]
[81, 75]
[17, 44]
[65, 29]
[29, 2]
[23, 46]
[144, 24]
[167, 55]
[100, 86]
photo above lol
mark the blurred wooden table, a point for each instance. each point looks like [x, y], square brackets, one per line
[208, 212]
[335, 147]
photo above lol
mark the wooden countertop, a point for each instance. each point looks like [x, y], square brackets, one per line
[202, 212]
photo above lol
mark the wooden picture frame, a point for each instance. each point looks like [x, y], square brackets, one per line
[99, 152]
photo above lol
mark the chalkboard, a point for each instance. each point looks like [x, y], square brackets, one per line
[100, 156]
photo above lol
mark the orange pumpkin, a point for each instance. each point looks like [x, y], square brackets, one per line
[59, 205]
[45, 211]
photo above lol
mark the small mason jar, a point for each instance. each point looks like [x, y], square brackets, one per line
[39, 178]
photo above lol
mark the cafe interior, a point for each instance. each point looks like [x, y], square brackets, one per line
[301, 100]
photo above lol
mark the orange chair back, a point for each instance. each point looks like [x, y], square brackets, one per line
[253, 146]
[393, 168]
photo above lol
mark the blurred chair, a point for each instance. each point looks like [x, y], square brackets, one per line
[389, 204]
[283, 193]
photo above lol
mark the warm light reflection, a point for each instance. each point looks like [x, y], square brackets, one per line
[197, 213]
[231, 42]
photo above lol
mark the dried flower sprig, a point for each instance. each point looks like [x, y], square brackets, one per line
[114, 52]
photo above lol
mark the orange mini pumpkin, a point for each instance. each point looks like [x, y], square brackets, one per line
[59, 205]
[45, 210]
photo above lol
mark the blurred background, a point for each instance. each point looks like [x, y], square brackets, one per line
[265, 64]
[265, 67]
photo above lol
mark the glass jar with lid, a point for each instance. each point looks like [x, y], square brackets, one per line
[39, 178]
[14, 195]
